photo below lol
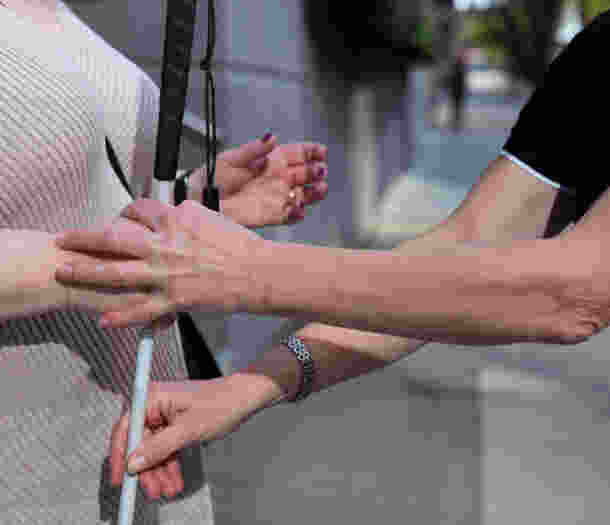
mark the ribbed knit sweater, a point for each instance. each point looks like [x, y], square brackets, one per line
[63, 379]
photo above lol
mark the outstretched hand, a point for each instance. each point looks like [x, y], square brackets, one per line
[263, 184]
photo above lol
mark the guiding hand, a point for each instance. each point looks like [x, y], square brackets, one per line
[179, 414]
[190, 258]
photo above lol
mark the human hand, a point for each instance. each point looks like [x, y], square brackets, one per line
[262, 184]
[180, 414]
[37, 253]
[187, 257]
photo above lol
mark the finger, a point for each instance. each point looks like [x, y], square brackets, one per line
[148, 212]
[296, 215]
[160, 480]
[164, 322]
[295, 198]
[316, 152]
[306, 174]
[301, 153]
[106, 242]
[128, 226]
[119, 274]
[166, 477]
[150, 480]
[175, 474]
[143, 315]
[315, 193]
[258, 165]
[160, 447]
[163, 479]
[241, 157]
[151, 484]
[118, 449]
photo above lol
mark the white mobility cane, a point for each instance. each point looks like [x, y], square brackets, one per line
[138, 403]
[180, 28]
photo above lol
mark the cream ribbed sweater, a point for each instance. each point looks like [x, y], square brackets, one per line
[62, 379]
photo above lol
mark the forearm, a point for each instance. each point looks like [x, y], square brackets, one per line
[468, 293]
[339, 354]
[27, 274]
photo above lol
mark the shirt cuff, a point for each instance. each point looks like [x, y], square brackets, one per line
[533, 172]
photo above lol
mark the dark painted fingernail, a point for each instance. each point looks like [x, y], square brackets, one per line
[323, 172]
[266, 136]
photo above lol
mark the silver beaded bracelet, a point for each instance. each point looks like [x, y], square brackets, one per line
[298, 348]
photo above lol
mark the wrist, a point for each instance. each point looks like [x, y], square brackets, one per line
[257, 295]
[273, 378]
[28, 277]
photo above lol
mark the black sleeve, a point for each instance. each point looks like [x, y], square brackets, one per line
[560, 132]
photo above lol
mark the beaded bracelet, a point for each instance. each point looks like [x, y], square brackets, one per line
[298, 348]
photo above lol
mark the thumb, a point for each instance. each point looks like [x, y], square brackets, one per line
[157, 449]
[244, 155]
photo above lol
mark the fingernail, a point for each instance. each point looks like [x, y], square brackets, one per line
[323, 172]
[134, 466]
[266, 136]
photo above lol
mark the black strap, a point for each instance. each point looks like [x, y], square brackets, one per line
[211, 195]
[116, 166]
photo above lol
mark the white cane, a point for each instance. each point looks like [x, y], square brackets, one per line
[138, 402]
[176, 63]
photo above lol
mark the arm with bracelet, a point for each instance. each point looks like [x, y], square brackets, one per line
[320, 356]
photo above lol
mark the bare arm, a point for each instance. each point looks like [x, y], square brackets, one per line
[27, 273]
[501, 284]
[341, 353]
[28, 286]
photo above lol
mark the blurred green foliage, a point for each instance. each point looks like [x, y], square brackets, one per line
[589, 9]
[426, 35]
[519, 35]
